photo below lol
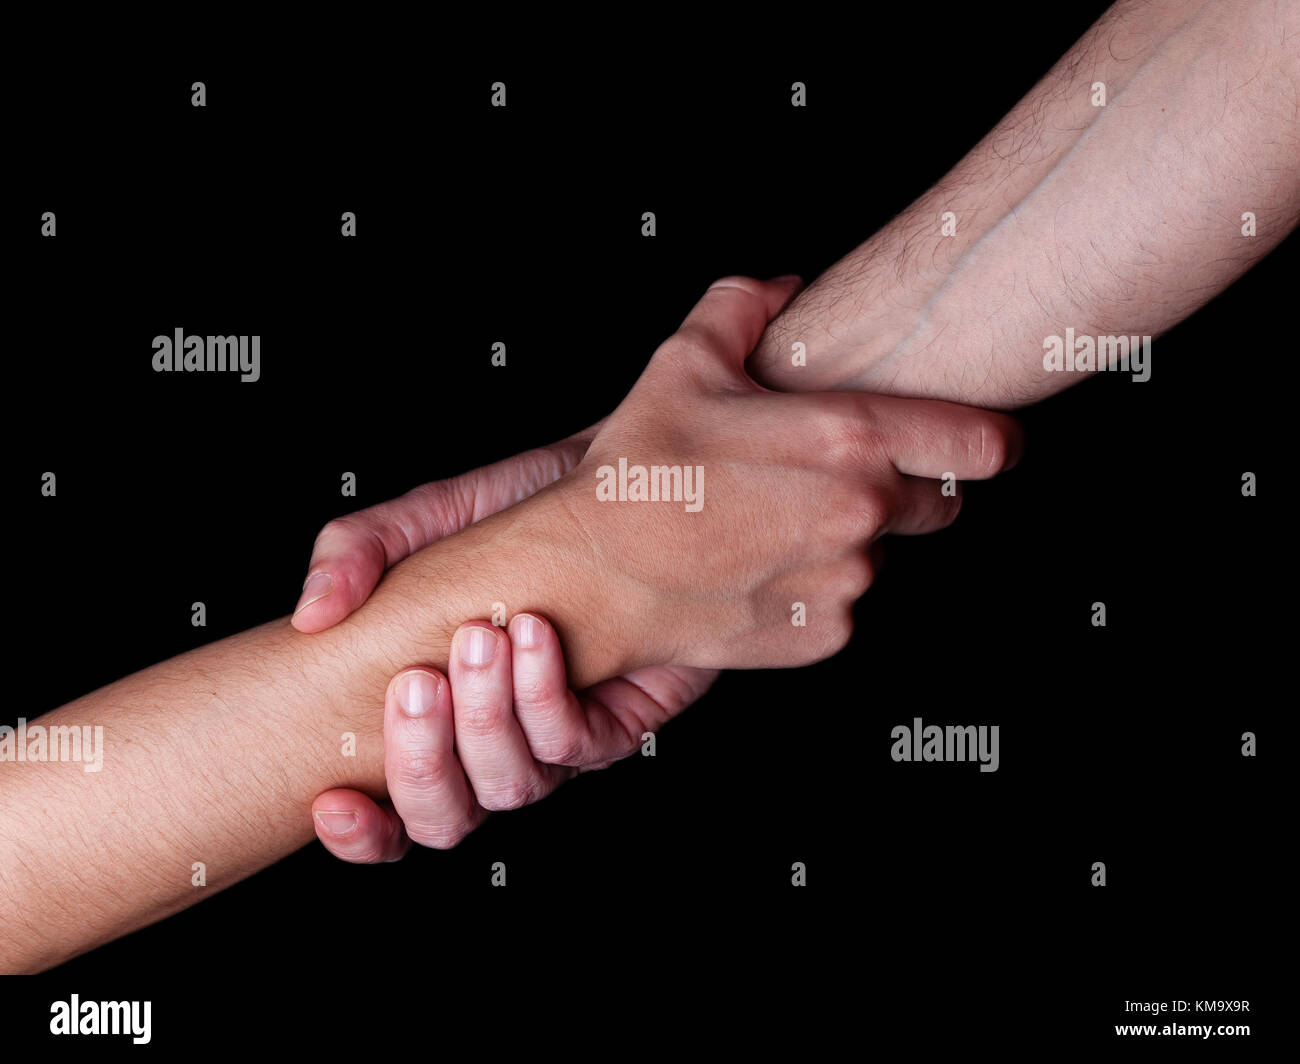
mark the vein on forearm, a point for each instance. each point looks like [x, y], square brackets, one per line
[1118, 217]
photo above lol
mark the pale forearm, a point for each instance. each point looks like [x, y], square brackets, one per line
[1111, 220]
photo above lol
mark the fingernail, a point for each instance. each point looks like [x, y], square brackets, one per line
[417, 692]
[528, 631]
[318, 585]
[477, 645]
[338, 822]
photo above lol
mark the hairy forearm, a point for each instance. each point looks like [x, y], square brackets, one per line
[1111, 220]
[213, 758]
[1115, 219]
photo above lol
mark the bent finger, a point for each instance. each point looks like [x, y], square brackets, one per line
[356, 828]
[425, 777]
[732, 314]
[492, 745]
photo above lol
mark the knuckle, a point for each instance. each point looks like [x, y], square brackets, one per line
[509, 794]
[335, 529]
[566, 748]
[419, 773]
[859, 576]
[351, 536]
[871, 510]
[333, 526]
[685, 345]
[839, 633]
[479, 719]
[829, 639]
[537, 690]
[446, 503]
[857, 513]
[846, 441]
[439, 835]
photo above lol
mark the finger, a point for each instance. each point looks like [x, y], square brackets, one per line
[351, 553]
[425, 779]
[641, 702]
[608, 721]
[557, 728]
[920, 506]
[354, 827]
[732, 314]
[930, 438]
[491, 744]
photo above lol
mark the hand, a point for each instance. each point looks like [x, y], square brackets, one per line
[795, 488]
[352, 552]
[800, 485]
[564, 733]
[504, 732]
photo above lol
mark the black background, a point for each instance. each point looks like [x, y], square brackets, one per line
[649, 904]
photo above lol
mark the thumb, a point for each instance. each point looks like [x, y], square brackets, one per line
[732, 314]
[352, 552]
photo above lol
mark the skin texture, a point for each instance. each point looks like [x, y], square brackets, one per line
[449, 760]
[216, 755]
[860, 466]
[1114, 219]
[858, 462]
[578, 731]
[1120, 219]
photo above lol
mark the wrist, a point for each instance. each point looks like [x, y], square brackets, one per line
[610, 627]
[532, 556]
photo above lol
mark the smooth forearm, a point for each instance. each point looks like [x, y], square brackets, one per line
[1119, 219]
